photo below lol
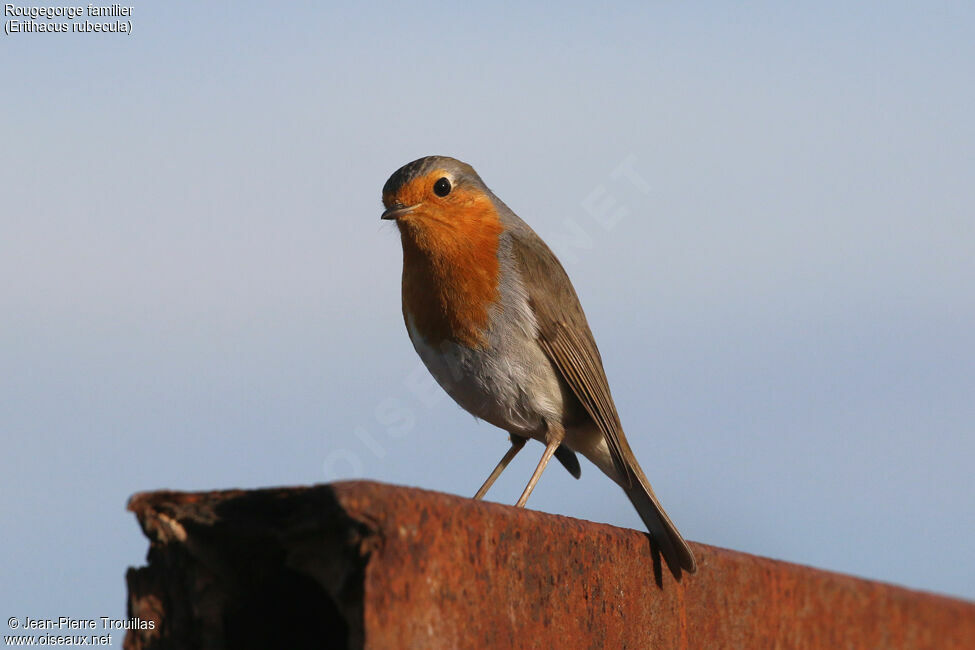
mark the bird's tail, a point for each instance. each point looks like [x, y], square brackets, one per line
[665, 535]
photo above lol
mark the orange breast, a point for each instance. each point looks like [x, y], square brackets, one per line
[450, 271]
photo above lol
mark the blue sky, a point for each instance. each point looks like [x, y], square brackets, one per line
[199, 293]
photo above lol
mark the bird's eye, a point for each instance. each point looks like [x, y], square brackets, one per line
[441, 187]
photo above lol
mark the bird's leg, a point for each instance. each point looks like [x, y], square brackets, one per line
[552, 441]
[517, 443]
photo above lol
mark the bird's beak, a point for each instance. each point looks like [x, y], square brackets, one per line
[397, 210]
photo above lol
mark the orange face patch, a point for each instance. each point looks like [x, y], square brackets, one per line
[450, 260]
[416, 191]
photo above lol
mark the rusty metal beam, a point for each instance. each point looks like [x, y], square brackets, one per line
[366, 565]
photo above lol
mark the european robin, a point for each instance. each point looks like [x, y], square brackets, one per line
[494, 317]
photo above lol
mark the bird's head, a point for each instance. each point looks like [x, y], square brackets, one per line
[438, 200]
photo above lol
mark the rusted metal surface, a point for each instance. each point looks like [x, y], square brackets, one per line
[368, 565]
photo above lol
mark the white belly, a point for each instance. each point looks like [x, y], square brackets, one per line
[510, 393]
[513, 386]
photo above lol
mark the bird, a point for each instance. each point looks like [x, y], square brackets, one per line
[495, 319]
